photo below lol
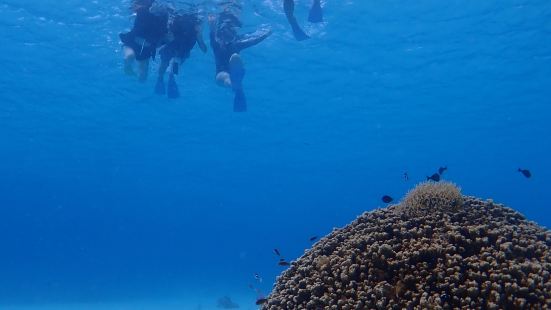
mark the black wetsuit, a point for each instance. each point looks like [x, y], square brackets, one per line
[225, 41]
[185, 38]
[148, 27]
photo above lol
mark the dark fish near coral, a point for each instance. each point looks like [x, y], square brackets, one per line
[226, 303]
[258, 277]
[525, 172]
[284, 263]
[442, 170]
[276, 251]
[313, 238]
[387, 199]
[435, 177]
[406, 176]
[261, 301]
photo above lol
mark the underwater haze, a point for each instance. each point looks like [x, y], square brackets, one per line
[112, 197]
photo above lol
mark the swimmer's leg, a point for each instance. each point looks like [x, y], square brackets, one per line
[237, 73]
[289, 8]
[316, 13]
[160, 85]
[129, 57]
[143, 70]
[172, 88]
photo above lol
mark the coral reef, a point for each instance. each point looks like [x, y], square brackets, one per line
[436, 250]
[429, 197]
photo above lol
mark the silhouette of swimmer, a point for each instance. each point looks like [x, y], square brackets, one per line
[184, 33]
[141, 42]
[226, 45]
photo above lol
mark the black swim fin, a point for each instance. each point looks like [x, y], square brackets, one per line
[237, 73]
[239, 101]
[172, 91]
[316, 13]
[299, 34]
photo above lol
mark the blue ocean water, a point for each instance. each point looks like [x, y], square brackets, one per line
[111, 195]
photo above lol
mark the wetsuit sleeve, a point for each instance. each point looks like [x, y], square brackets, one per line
[251, 39]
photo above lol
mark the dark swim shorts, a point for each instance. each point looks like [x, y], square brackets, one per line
[142, 52]
[177, 48]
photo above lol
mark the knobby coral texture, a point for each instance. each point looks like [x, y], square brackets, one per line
[429, 197]
[465, 253]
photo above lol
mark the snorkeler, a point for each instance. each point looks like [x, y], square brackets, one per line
[314, 16]
[226, 45]
[184, 32]
[142, 41]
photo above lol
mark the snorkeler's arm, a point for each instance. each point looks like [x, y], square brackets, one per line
[200, 40]
[251, 39]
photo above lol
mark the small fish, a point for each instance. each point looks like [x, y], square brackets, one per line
[442, 170]
[313, 238]
[258, 277]
[435, 177]
[284, 263]
[261, 301]
[276, 251]
[406, 176]
[282, 259]
[525, 172]
[387, 199]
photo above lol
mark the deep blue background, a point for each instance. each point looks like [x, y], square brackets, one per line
[108, 192]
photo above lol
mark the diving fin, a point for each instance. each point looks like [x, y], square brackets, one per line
[316, 13]
[299, 34]
[239, 101]
[172, 91]
[237, 73]
[160, 87]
